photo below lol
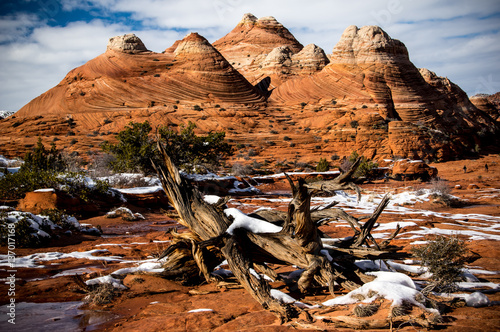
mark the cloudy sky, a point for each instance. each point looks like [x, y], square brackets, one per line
[41, 40]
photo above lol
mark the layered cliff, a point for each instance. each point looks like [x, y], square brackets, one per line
[263, 47]
[128, 76]
[272, 96]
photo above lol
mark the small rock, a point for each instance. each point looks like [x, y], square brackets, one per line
[477, 300]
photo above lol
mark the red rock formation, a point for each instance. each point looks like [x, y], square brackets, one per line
[368, 97]
[412, 170]
[128, 77]
[263, 47]
[373, 72]
[488, 104]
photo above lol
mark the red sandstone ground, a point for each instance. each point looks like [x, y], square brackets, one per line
[154, 304]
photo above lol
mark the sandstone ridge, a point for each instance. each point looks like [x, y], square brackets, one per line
[269, 93]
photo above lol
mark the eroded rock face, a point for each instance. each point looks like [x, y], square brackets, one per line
[368, 44]
[38, 201]
[413, 169]
[267, 91]
[258, 48]
[128, 43]
[486, 105]
[311, 59]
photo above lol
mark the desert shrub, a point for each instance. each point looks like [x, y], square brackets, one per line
[102, 293]
[127, 181]
[15, 185]
[323, 165]
[302, 165]
[100, 165]
[186, 149]
[239, 169]
[41, 159]
[286, 138]
[40, 169]
[60, 218]
[44, 168]
[365, 168]
[76, 185]
[354, 124]
[252, 153]
[440, 187]
[29, 230]
[445, 258]
[135, 149]
[256, 164]
[441, 193]
[24, 234]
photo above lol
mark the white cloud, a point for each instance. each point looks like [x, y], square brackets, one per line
[457, 39]
[33, 65]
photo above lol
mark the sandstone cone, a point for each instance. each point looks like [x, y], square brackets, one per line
[368, 98]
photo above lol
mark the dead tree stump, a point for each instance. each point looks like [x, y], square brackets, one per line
[194, 254]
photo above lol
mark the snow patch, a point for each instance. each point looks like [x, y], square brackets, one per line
[253, 225]
[200, 310]
[393, 286]
[150, 266]
[116, 283]
[211, 199]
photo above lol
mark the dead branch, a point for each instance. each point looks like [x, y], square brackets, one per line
[194, 254]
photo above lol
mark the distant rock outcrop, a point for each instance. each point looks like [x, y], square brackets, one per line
[128, 43]
[5, 114]
[259, 48]
[489, 104]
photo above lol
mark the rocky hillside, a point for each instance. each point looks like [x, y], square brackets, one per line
[277, 100]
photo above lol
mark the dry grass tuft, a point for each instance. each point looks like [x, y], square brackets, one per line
[365, 310]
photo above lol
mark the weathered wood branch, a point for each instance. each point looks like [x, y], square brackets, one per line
[345, 181]
[194, 254]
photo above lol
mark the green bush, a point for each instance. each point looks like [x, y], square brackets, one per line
[58, 217]
[187, 149]
[31, 231]
[41, 159]
[44, 168]
[445, 258]
[24, 234]
[136, 149]
[323, 165]
[365, 168]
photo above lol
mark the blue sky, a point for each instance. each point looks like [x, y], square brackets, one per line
[40, 41]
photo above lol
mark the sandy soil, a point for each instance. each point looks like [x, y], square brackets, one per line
[154, 304]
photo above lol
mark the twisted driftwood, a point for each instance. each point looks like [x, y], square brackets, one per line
[194, 254]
